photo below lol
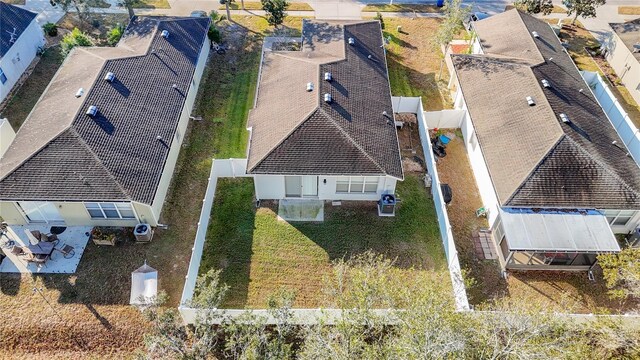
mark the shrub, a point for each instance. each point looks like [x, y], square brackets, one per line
[73, 39]
[379, 18]
[115, 34]
[214, 34]
[50, 29]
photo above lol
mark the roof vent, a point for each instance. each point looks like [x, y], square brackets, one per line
[110, 76]
[535, 34]
[351, 41]
[92, 110]
[328, 76]
[309, 86]
[546, 83]
[165, 34]
[327, 98]
[581, 91]
[385, 113]
[80, 92]
[530, 101]
[564, 118]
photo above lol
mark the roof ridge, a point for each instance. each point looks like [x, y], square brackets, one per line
[86, 146]
[332, 120]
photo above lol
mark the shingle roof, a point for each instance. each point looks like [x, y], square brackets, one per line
[296, 132]
[629, 33]
[60, 153]
[534, 159]
[13, 20]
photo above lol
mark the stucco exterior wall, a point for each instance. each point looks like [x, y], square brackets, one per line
[626, 66]
[273, 187]
[20, 56]
[176, 143]
[10, 213]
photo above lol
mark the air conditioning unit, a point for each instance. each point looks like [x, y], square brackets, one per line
[143, 233]
[387, 205]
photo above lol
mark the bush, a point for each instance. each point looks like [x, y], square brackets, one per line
[50, 29]
[214, 34]
[215, 17]
[73, 39]
[115, 34]
[379, 18]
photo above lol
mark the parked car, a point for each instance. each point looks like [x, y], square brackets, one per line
[474, 16]
[198, 13]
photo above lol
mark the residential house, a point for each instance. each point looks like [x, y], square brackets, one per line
[623, 53]
[101, 144]
[20, 38]
[323, 126]
[552, 171]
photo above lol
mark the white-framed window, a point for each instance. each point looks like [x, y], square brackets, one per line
[619, 217]
[357, 184]
[3, 77]
[107, 210]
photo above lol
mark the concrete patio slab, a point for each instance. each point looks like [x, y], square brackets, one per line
[301, 210]
[75, 236]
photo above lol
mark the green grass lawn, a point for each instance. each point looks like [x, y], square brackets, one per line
[18, 108]
[260, 254]
[151, 4]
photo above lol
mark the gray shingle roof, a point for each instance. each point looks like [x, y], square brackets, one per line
[629, 33]
[12, 17]
[350, 135]
[115, 155]
[580, 168]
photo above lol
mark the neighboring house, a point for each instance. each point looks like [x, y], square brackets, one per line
[551, 170]
[20, 38]
[101, 144]
[323, 125]
[623, 53]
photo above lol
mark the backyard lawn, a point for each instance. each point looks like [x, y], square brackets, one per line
[260, 254]
[415, 62]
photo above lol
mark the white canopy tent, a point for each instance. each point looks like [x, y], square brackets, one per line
[586, 231]
[144, 285]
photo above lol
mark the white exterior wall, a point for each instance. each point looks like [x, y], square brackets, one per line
[176, 144]
[20, 56]
[272, 187]
[626, 66]
[6, 135]
[478, 164]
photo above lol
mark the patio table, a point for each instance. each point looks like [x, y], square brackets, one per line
[43, 248]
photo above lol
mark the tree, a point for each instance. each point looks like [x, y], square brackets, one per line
[621, 273]
[379, 18]
[73, 39]
[584, 8]
[226, 5]
[535, 6]
[80, 5]
[214, 33]
[275, 10]
[452, 24]
[129, 5]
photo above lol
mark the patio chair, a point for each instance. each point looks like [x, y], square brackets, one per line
[67, 251]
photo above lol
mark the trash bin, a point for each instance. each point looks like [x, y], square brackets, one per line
[440, 3]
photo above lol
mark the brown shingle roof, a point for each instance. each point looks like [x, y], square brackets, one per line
[534, 159]
[295, 132]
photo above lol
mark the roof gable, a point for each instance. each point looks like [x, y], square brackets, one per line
[360, 110]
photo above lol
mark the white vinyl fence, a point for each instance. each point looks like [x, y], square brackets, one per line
[617, 116]
[444, 119]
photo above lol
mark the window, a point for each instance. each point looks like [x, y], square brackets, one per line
[110, 210]
[619, 217]
[357, 184]
[3, 77]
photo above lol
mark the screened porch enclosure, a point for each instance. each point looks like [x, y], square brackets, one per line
[559, 240]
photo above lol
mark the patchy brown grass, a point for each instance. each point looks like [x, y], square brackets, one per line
[256, 5]
[556, 9]
[415, 63]
[104, 22]
[629, 10]
[151, 4]
[14, 2]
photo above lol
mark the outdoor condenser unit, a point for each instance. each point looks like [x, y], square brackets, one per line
[387, 205]
[143, 233]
